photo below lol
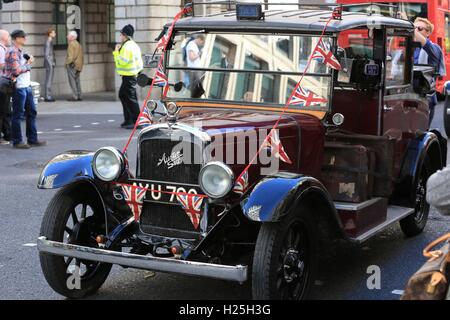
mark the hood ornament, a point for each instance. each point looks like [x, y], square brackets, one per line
[172, 112]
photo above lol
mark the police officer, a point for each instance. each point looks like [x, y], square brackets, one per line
[128, 60]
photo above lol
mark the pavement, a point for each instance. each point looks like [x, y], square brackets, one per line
[93, 123]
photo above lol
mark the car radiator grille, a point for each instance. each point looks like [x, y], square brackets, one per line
[160, 218]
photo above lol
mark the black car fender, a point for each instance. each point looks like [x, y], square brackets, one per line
[273, 197]
[430, 144]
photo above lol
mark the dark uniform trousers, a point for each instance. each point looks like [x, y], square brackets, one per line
[5, 116]
[128, 97]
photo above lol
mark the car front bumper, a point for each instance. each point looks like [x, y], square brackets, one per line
[216, 271]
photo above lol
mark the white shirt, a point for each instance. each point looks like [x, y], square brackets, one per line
[192, 46]
[24, 79]
[2, 57]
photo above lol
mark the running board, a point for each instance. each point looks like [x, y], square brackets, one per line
[394, 214]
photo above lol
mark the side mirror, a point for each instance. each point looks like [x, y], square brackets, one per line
[143, 81]
[416, 44]
[424, 80]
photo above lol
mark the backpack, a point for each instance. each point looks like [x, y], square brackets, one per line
[185, 49]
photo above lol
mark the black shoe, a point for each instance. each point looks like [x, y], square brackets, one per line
[129, 126]
[21, 146]
[124, 124]
[79, 99]
[49, 100]
[38, 143]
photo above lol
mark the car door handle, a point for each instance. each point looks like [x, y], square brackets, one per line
[386, 108]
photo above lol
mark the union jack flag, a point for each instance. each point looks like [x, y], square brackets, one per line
[191, 204]
[161, 80]
[134, 197]
[324, 55]
[162, 43]
[145, 117]
[273, 143]
[305, 98]
[241, 184]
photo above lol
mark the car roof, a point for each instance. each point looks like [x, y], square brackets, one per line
[307, 20]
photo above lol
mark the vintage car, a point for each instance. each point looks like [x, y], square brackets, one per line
[345, 163]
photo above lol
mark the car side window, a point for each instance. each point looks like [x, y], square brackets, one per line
[396, 60]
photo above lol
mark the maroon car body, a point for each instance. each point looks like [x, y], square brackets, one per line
[351, 166]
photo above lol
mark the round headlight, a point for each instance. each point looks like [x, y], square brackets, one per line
[216, 179]
[108, 163]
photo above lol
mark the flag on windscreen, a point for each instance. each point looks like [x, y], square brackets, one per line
[161, 80]
[134, 197]
[191, 204]
[273, 143]
[241, 184]
[305, 98]
[324, 55]
[145, 117]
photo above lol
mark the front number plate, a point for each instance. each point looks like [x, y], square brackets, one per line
[161, 192]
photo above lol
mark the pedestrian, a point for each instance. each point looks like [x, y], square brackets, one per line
[18, 67]
[49, 64]
[5, 105]
[128, 61]
[194, 54]
[74, 65]
[429, 54]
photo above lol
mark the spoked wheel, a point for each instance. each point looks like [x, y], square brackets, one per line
[74, 218]
[285, 259]
[415, 223]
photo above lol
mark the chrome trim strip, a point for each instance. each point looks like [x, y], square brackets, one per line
[144, 181]
[216, 271]
[195, 131]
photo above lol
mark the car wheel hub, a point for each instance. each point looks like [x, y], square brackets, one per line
[293, 266]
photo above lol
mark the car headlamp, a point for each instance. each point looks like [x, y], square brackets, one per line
[108, 163]
[216, 179]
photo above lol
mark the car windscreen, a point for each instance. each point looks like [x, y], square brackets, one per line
[250, 68]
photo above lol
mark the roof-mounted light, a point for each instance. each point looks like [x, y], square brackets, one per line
[251, 11]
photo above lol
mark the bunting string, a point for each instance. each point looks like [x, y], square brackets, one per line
[292, 100]
[299, 96]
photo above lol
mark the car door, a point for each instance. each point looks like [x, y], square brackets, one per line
[404, 112]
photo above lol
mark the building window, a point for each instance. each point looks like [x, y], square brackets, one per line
[60, 18]
[111, 36]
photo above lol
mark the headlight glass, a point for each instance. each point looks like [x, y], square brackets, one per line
[108, 164]
[216, 179]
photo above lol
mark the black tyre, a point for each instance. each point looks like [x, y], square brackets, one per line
[415, 223]
[285, 258]
[74, 217]
[446, 116]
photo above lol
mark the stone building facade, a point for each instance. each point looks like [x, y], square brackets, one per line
[98, 23]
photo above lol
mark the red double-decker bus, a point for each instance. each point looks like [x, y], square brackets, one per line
[437, 11]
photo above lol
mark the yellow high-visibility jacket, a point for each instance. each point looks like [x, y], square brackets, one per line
[128, 59]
